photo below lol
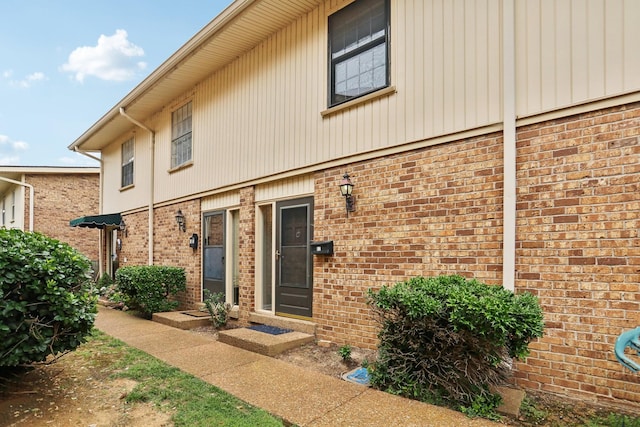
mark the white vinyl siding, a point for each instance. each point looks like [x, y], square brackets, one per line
[570, 52]
[260, 115]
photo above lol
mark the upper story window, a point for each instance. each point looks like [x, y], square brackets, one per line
[358, 50]
[127, 163]
[13, 206]
[181, 135]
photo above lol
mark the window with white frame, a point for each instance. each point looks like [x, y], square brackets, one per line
[127, 163]
[358, 50]
[4, 212]
[181, 135]
[13, 206]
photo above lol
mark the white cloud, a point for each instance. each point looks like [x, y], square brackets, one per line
[9, 150]
[9, 160]
[113, 59]
[13, 145]
[27, 81]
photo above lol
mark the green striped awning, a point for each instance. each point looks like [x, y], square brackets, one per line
[97, 221]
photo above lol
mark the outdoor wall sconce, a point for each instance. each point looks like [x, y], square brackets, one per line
[182, 225]
[123, 227]
[346, 188]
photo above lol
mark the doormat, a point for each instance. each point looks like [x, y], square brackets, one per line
[272, 330]
[358, 376]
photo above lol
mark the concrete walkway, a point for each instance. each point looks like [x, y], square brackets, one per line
[297, 395]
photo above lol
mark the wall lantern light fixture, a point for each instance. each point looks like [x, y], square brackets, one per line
[346, 189]
[182, 225]
[123, 227]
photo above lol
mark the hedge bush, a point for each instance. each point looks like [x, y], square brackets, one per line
[147, 288]
[47, 298]
[446, 339]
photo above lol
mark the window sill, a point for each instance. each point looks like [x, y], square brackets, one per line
[389, 90]
[127, 187]
[182, 166]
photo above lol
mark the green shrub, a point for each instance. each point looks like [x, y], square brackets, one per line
[447, 339]
[217, 307]
[47, 299]
[345, 352]
[147, 288]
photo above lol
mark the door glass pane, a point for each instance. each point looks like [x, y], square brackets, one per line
[267, 256]
[214, 253]
[293, 257]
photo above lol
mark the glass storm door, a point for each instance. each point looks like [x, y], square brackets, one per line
[214, 251]
[294, 262]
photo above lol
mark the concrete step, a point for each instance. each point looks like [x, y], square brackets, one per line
[264, 343]
[183, 319]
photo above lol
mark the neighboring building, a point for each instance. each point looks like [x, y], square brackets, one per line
[496, 139]
[59, 194]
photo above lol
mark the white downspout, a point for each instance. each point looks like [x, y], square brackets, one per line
[31, 197]
[509, 138]
[151, 178]
[101, 240]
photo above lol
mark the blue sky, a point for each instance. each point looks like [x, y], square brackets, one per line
[64, 63]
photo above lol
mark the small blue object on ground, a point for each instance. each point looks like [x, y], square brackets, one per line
[272, 330]
[358, 376]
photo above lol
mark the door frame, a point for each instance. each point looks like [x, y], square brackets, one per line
[308, 202]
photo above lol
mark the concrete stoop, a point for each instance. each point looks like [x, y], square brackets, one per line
[183, 319]
[264, 343]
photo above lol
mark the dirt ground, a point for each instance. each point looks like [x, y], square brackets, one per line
[77, 391]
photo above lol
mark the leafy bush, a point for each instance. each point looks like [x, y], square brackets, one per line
[147, 288]
[345, 352]
[447, 339]
[47, 300]
[217, 308]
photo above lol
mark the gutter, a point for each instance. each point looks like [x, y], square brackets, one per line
[31, 197]
[509, 141]
[151, 178]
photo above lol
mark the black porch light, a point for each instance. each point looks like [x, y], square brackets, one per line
[346, 189]
[180, 220]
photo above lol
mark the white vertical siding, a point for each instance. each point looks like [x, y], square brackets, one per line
[286, 188]
[137, 196]
[573, 51]
[261, 114]
[220, 201]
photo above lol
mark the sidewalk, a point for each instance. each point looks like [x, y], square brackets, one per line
[297, 395]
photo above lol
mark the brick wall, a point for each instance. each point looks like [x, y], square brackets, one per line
[578, 249]
[433, 211]
[246, 257]
[135, 240]
[171, 246]
[59, 198]
[438, 210]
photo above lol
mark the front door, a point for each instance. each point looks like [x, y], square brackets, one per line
[294, 263]
[214, 252]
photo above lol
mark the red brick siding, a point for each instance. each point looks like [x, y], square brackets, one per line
[59, 198]
[171, 246]
[135, 240]
[246, 258]
[578, 248]
[432, 211]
